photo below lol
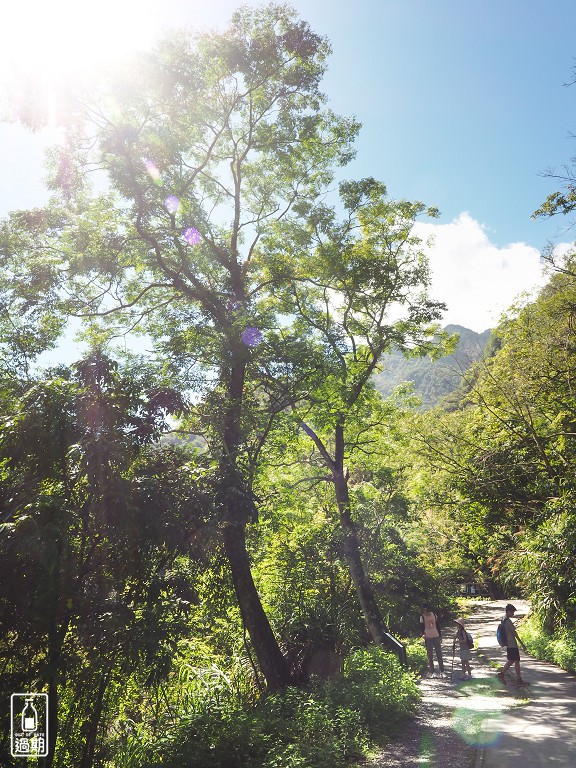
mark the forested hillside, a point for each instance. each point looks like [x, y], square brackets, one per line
[215, 555]
[433, 379]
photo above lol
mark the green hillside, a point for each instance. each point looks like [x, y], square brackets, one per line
[433, 380]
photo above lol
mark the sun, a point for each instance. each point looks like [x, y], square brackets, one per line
[46, 43]
[55, 38]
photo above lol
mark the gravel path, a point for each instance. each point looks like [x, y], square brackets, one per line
[445, 732]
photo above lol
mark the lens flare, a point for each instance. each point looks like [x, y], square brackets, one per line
[427, 752]
[192, 236]
[480, 723]
[476, 728]
[172, 204]
[153, 171]
[252, 337]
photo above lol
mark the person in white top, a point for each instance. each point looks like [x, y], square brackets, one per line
[432, 637]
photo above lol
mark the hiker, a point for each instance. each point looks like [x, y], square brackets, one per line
[464, 650]
[512, 652]
[432, 637]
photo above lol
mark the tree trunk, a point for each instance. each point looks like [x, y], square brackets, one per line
[91, 731]
[56, 635]
[52, 719]
[360, 579]
[270, 659]
[237, 509]
[362, 583]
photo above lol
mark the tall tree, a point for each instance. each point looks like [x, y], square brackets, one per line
[357, 289]
[203, 144]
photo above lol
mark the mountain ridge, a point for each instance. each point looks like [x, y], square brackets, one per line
[433, 380]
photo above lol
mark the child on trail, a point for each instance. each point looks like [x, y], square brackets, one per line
[432, 638]
[512, 652]
[465, 654]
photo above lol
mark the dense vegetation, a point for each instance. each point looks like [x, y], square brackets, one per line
[205, 548]
[500, 470]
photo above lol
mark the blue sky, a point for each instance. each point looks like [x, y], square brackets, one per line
[463, 105]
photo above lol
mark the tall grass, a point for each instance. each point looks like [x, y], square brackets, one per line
[323, 725]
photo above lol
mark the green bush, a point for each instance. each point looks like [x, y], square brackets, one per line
[564, 650]
[376, 687]
[286, 756]
[320, 726]
[559, 647]
[416, 655]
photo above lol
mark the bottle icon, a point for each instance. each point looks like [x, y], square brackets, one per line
[29, 717]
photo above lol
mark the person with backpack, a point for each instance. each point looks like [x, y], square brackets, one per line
[507, 633]
[464, 640]
[432, 638]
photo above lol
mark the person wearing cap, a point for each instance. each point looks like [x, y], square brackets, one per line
[512, 652]
[465, 655]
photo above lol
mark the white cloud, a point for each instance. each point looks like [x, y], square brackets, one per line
[475, 278]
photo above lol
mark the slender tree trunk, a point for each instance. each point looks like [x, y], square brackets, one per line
[52, 720]
[237, 508]
[270, 659]
[56, 635]
[362, 584]
[91, 732]
[350, 544]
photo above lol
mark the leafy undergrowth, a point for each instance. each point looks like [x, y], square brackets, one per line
[559, 648]
[321, 726]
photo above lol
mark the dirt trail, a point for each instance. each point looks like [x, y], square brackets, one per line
[449, 729]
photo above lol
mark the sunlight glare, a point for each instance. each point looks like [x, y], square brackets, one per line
[62, 37]
[45, 44]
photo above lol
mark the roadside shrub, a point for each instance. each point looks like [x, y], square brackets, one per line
[559, 647]
[416, 655]
[376, 686]
[325, 725]
[564, 649]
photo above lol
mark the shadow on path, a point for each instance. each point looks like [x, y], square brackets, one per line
[480, 722]
[543, 731]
